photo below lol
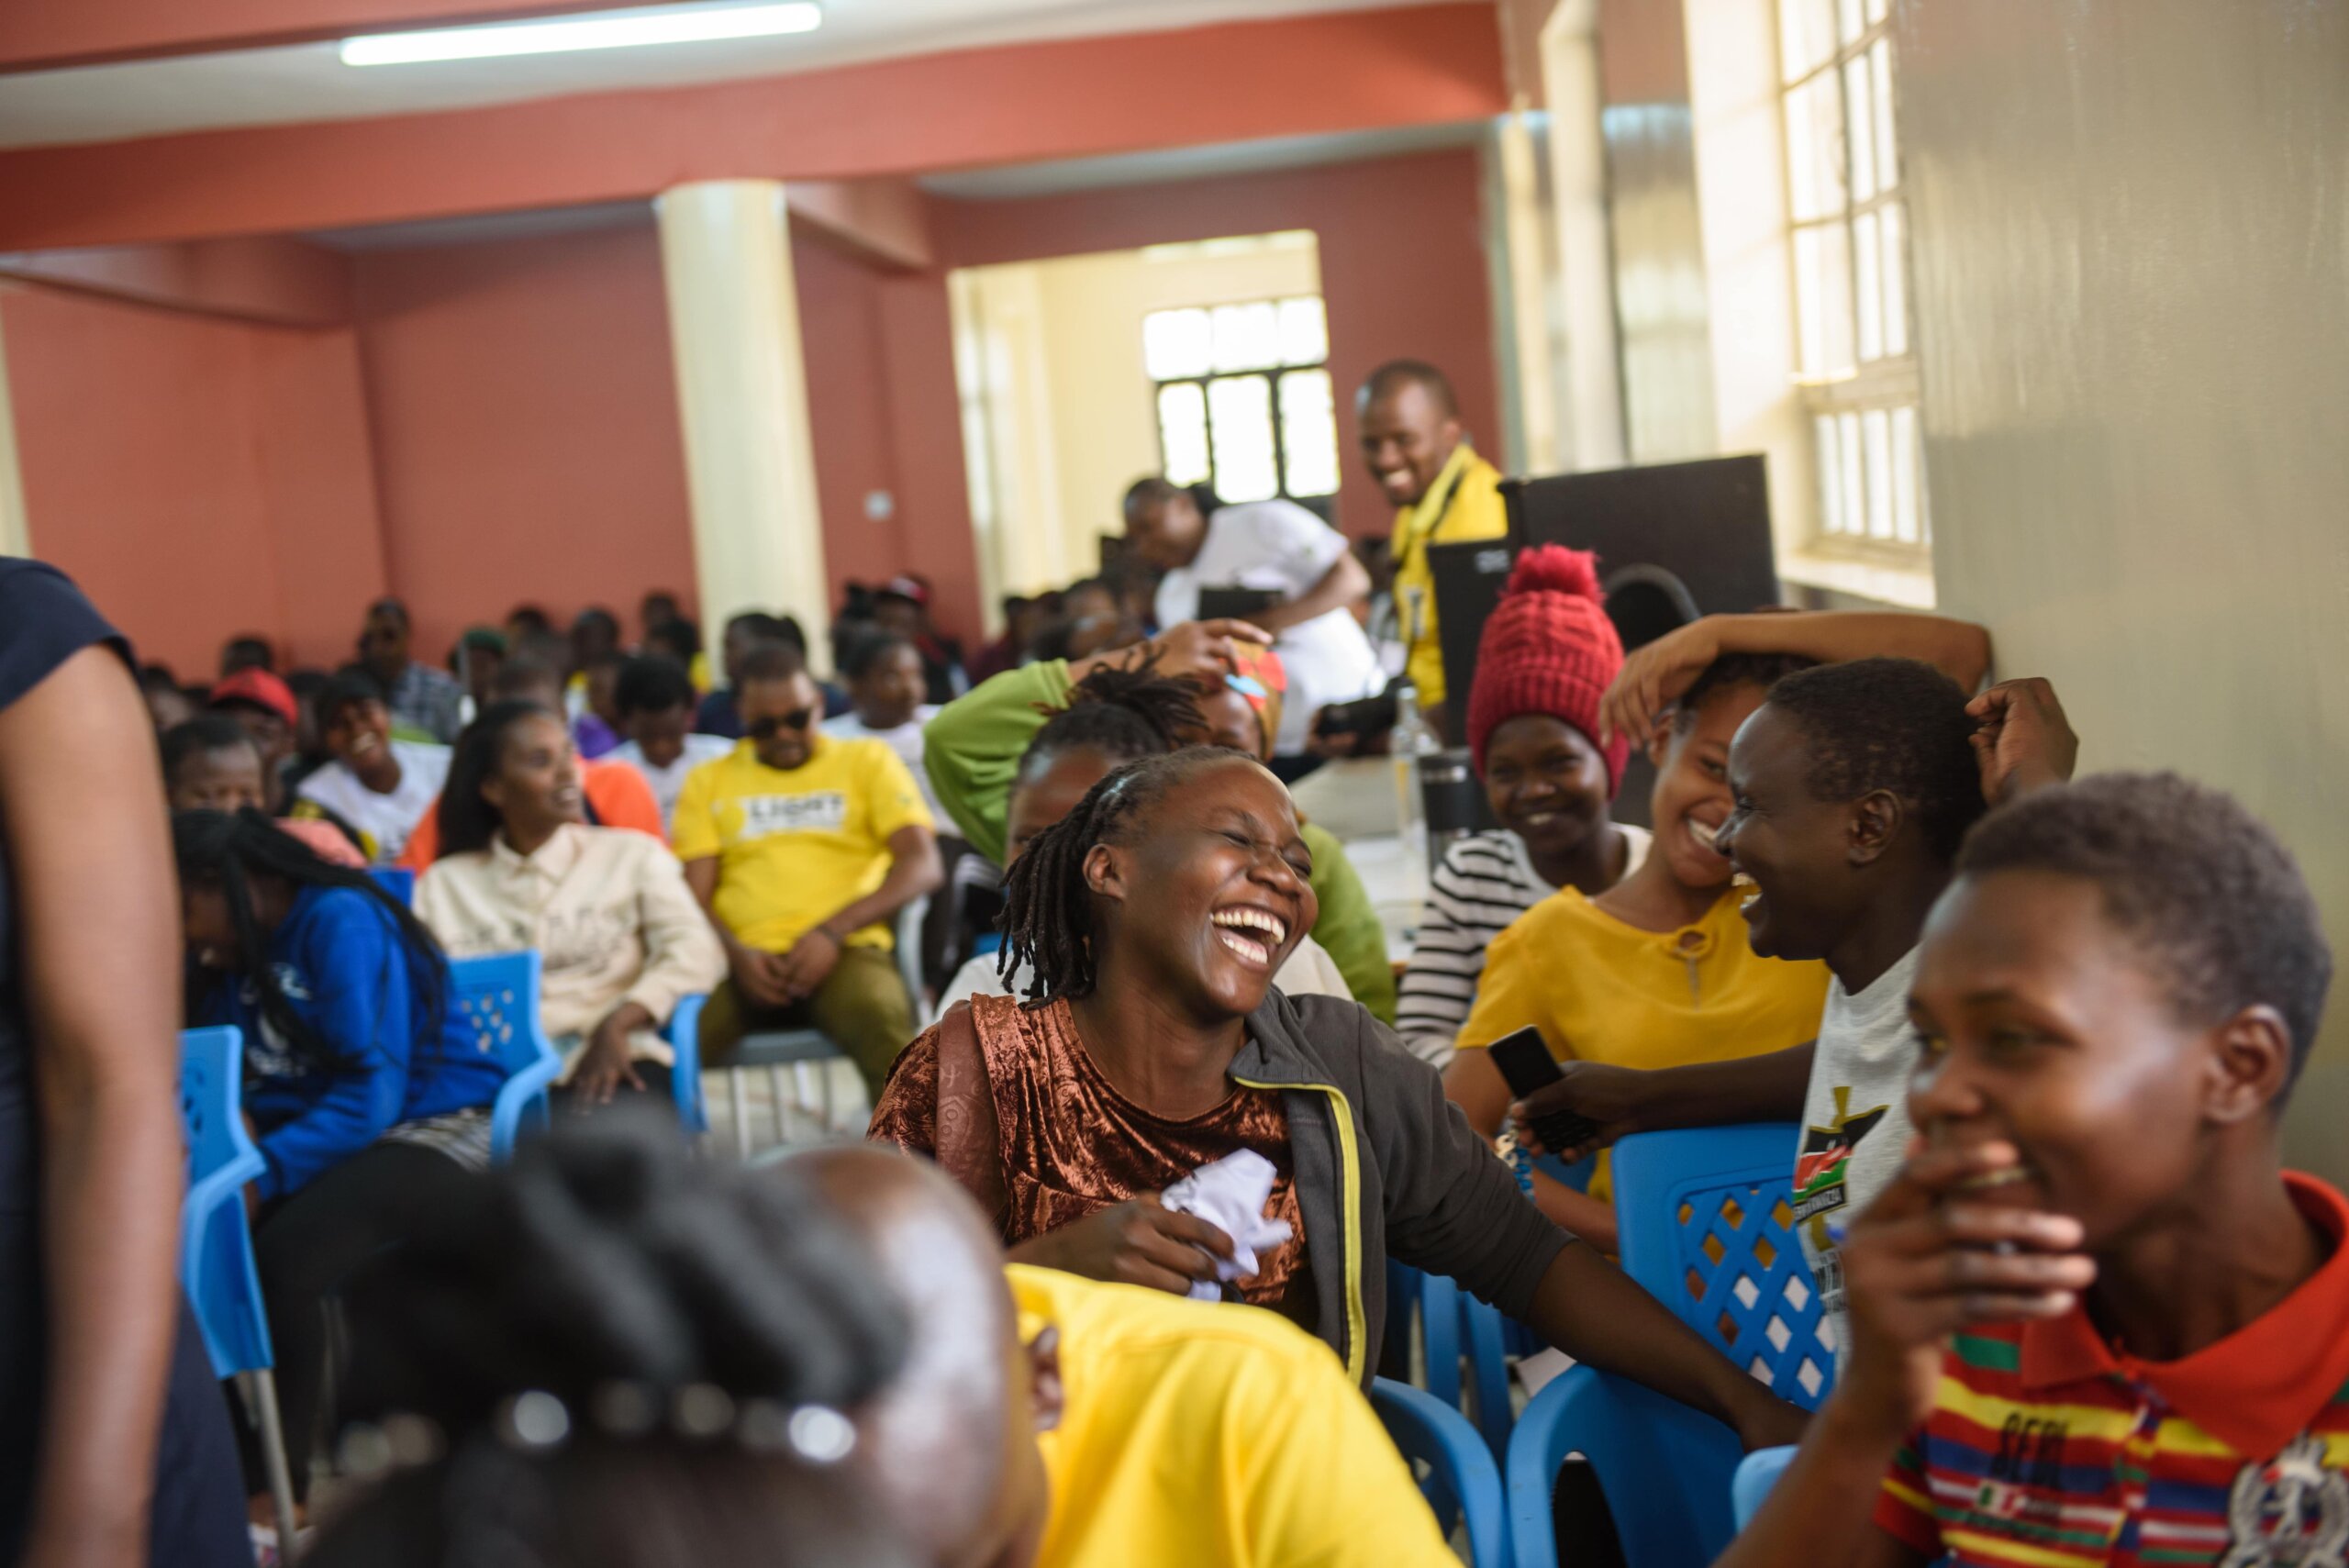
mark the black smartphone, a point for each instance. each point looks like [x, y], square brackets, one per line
[1526, 1065]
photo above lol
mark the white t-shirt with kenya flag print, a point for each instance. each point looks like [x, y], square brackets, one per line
[1854, 1121]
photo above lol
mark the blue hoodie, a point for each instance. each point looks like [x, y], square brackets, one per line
[342, 966]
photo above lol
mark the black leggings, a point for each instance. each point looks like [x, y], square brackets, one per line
[306, 1245]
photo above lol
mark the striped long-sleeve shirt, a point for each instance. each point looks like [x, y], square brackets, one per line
[1483, 883]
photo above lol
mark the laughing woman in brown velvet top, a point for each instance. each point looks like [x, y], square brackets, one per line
[1153, 917]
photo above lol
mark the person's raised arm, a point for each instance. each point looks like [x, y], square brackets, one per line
[2024, 742]
[85, 828]
[1655, 676]
[971, 747]
[1343, 586]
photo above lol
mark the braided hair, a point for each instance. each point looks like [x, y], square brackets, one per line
[1125, 711]
[1047, 905]
[609, 1269]
[218, 849]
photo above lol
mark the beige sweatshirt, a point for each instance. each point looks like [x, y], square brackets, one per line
[607, 910]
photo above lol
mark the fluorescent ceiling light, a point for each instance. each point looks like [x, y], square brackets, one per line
[611, 29]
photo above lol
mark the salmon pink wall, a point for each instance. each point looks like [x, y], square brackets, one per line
[882, 414]
[525, 424]
[200, 477]
[1402, 267]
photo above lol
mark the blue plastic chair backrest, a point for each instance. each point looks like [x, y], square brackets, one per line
[211, 1096]
[398, 881]
[1665, 1470]
[498, 995]
[685, 1074]
[1706, 1218]
[1452, 1323]
[1461, 1480]
[217, 1269]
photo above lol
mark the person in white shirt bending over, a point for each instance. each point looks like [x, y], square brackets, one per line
[619, 937]
[657, 701]
[1270, 546]
[380, 786]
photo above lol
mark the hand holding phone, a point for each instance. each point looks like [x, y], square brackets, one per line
[1526, 1064]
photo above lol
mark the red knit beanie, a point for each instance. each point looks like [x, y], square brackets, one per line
[1548, 649]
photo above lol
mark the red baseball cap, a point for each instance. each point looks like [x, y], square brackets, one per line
[260, 689]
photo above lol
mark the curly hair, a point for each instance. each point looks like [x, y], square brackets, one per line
[1731, 670]
[1125, 711]
[1047, 905]
[1889, 724]
[2217, 905]
[609, 1268]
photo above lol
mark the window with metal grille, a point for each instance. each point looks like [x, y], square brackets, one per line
[1849, 243]
[1244, 398]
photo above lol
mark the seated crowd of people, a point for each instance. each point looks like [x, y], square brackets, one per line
[2037, 1035]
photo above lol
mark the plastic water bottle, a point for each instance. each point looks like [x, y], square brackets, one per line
[1410, 741]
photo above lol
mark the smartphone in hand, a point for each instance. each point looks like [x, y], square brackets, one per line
[1526, 1064]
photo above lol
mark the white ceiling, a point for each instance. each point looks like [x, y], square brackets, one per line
[310, 82]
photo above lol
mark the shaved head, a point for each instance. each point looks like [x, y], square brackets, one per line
[1396, 374]
[971, 1502]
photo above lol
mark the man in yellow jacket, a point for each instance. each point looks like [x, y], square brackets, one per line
[1415, 448]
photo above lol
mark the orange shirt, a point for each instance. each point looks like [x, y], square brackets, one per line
[615, 791]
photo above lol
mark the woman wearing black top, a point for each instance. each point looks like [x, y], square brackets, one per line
[115, 1447]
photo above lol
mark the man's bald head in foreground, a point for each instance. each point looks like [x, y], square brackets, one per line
[950, 1447]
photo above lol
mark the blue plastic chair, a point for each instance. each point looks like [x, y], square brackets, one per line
[398, 881]
[1462, 1480]
[1757, 1472]
[499, 994]
[1706, 1224]
[1453, 1323]
[685, 1080]
[216, 1267]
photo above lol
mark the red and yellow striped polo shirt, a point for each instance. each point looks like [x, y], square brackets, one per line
[2049, 1448]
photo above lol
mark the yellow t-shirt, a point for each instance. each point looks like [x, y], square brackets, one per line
[1600, 990]
[1468, 492]
[1195, 1432]
[794, 847]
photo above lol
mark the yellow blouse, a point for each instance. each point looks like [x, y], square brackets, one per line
[1601, 990]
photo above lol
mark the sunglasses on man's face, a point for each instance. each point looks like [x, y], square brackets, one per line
[767, 728]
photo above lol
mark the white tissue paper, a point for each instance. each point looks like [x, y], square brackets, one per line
[1230, 1194]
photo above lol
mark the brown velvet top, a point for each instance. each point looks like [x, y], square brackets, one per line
[1068, 1144]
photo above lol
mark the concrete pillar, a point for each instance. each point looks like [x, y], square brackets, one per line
[742, 395]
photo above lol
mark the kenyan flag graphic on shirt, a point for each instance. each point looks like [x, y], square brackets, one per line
[1826, 1155]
